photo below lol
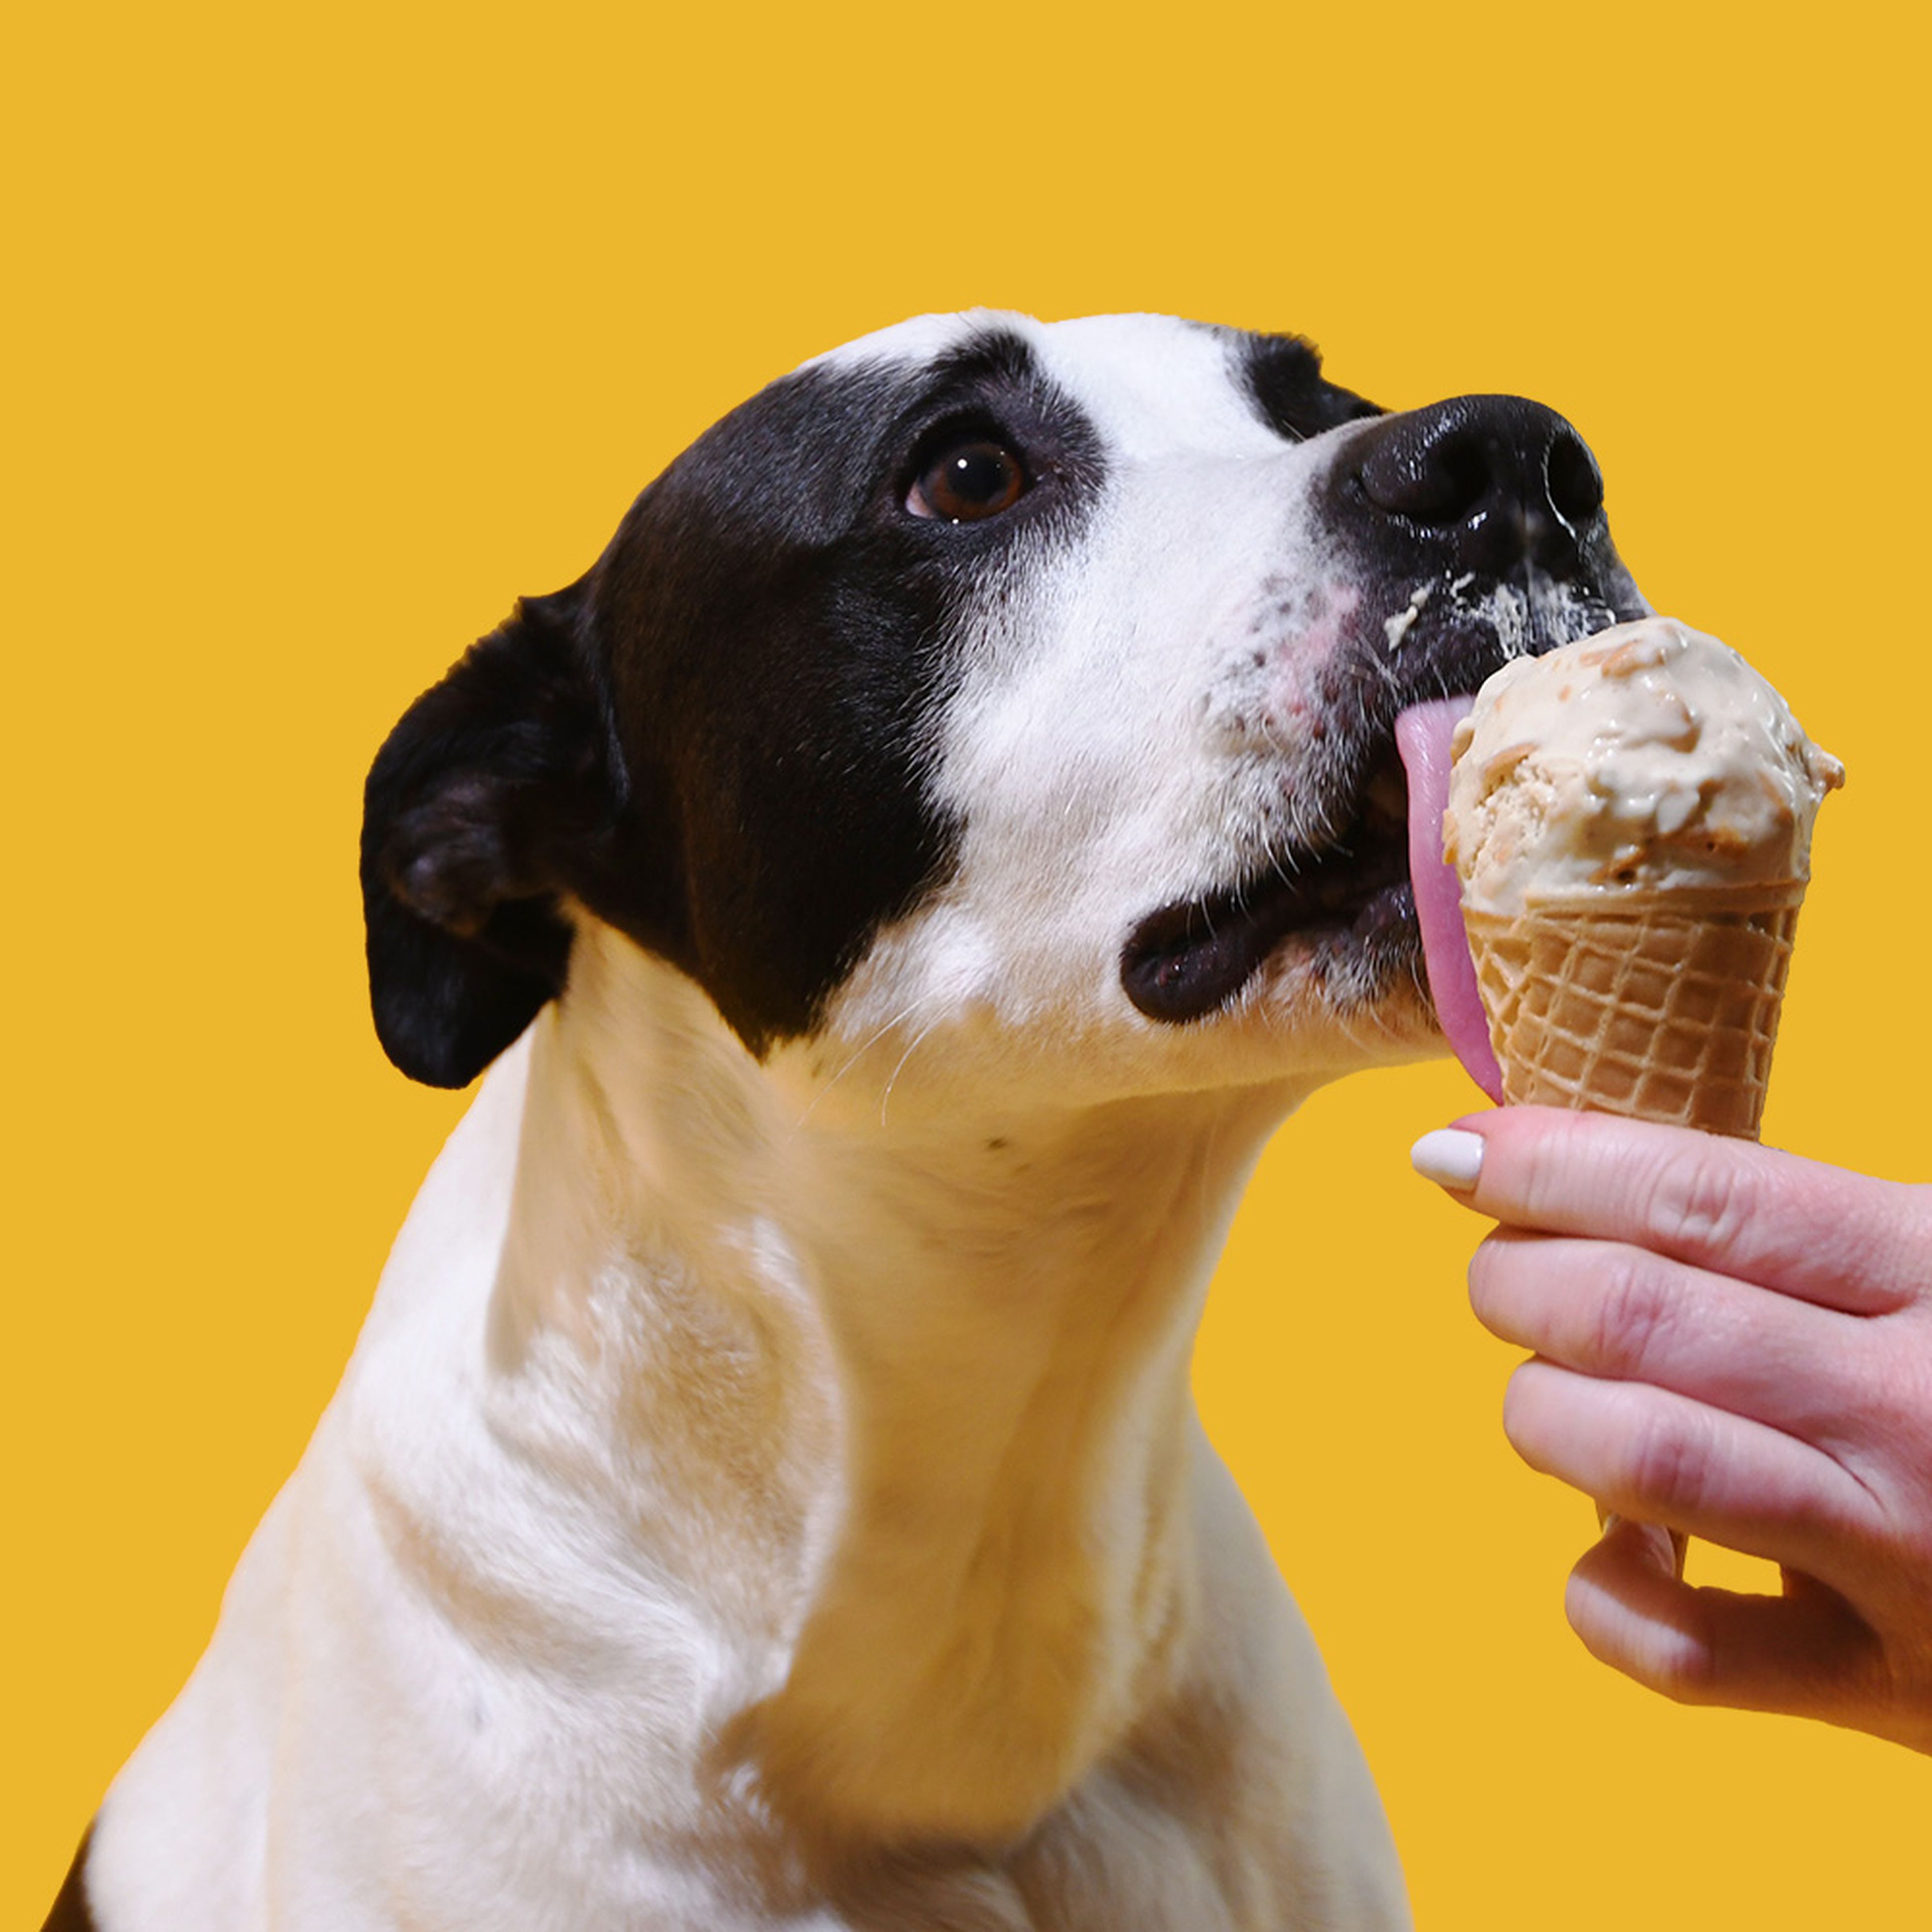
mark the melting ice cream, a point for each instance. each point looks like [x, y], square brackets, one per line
[1648, 758]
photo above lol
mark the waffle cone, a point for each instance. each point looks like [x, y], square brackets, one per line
[1663, 1008]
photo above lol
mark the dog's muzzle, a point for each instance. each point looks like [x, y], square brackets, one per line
[1453, 513]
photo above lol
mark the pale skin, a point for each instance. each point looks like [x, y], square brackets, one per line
[1736, 1343]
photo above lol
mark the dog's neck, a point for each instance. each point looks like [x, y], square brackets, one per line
[904, 1403]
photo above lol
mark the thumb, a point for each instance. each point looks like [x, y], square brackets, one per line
[1804, 1652]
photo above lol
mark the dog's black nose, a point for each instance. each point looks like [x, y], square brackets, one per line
[1494, 480]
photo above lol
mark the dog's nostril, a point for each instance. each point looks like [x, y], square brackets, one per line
[1575, 483]
[1484, 482]
[1435, 480]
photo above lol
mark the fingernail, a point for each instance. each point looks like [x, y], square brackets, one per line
[1450, 1157]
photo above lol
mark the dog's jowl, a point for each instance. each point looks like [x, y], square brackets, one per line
[895, 891]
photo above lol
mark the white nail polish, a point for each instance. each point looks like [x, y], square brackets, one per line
[1449, 1157]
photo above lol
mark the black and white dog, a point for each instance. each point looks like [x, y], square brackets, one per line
[901, 887]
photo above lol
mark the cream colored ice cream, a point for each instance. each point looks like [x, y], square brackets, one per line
[1648, 757]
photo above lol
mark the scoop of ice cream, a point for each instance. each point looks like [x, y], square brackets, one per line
[1648, 757]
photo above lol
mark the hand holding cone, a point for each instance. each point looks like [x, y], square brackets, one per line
[1630, 821]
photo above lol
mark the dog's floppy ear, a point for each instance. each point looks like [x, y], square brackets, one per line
[480, 810]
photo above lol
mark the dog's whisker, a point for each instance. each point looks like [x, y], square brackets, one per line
[892, 1079]
[1206, 1166]
[859, 1052]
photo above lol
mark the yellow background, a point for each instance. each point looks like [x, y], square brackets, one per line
[334, 329]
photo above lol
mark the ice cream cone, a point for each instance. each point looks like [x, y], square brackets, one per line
[1658, 1006]
[1629, 820]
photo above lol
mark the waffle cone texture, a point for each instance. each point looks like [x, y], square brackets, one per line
[1659, 1008]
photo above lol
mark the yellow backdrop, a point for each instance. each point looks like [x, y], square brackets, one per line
[334, 329]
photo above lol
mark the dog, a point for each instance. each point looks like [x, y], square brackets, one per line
[895, 893]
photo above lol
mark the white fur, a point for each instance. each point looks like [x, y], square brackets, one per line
[747, 1466]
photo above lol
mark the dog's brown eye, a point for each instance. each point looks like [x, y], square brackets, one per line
[968, 481]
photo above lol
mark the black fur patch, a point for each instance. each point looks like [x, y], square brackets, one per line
[1283, 375]
[719, 740]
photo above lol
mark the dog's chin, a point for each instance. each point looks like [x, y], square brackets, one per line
[1375, 954]
[1359, 980]
[1345, 914]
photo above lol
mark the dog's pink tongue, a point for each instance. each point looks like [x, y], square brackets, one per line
[1422, 736]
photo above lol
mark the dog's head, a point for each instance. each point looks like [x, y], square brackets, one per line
[1028, 686]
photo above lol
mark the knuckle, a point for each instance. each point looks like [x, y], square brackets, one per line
[1667, 1464]
[1698, 1205]
[1635, 1310]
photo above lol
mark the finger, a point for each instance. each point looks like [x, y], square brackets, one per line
[1657, 1455]
[1842, 1239]
[1807, 1653]
[1608, 1310]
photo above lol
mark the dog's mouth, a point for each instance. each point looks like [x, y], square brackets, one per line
[1192, 957]
[1349, 897]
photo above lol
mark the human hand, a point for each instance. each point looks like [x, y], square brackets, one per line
[1733, 1343]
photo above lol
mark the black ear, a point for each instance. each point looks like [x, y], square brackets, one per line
[480, 809]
